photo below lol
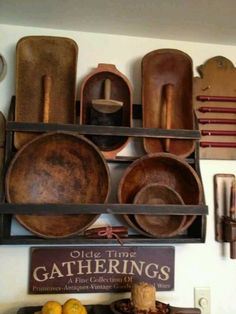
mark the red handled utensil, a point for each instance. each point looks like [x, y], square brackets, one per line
[216, 98]
[218, 144]
[217, 109]
[218, 132]
[216, 121]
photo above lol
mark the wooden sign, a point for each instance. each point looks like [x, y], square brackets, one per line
[99, 269]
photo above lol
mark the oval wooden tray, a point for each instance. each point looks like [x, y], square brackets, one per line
[36, 57]
[167, 99]
[92, 88]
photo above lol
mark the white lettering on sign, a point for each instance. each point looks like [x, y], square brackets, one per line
[114, 266]
[100, 269]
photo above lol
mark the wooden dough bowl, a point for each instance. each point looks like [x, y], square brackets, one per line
[167, 99]
[61, 168]
[165, 169]
[92, 88]
[37, 57]
[159, 225]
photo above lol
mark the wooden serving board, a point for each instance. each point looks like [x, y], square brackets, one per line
[37, 57]
[217, 83]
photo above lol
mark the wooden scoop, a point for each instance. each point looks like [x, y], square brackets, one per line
[107, 105]
[168, 92]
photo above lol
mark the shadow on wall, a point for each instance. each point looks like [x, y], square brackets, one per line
[136, 79]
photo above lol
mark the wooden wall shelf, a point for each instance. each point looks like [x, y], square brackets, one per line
[195, 233]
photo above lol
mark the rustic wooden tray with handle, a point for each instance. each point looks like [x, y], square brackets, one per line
[106, 87]
[167, 99]
[38, 57]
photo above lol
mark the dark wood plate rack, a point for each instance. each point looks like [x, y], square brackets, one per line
[195, 233]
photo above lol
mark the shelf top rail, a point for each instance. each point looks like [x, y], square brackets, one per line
[116, 209]
[103, 130]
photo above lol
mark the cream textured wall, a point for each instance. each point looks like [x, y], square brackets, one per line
[197, 265]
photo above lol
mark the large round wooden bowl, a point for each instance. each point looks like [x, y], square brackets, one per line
[62, 168]
[159, 225]
[165, 169]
